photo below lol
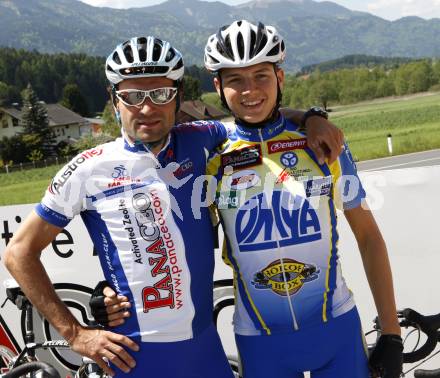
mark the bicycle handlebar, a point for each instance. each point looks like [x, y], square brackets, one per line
[420, 373]
[30, 367]
[428, 325]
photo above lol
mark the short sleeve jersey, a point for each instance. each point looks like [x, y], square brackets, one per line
[154, 244]
[277, 205]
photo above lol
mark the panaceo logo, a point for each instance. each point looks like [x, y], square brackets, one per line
[286, 145]
[285, 277]
[289, 218]
[242, 180]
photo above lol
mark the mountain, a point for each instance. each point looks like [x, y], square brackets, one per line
[314, 31]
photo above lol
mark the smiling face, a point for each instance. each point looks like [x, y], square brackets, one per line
[148, 123]
[251, 92]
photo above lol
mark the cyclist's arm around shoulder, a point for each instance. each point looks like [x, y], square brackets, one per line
[376, 264]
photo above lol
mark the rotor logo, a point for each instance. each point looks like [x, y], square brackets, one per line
[289, 159]
[285, 277]
[289, 219]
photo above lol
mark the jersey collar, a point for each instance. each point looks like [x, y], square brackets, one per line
[140, 147]
[258, 133]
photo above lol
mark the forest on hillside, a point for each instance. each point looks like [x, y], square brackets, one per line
[78, 81]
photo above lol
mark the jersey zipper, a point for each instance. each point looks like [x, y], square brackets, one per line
[280, 255]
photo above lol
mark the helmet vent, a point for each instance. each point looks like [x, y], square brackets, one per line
[274, 51]
[142, 55]
[128, 52]
[261, 44]
[239, 23]
[116, 58]
[170, 55]
[157, 49]
[228, 46]
[212, 59]
[240, 45]
[178, 65]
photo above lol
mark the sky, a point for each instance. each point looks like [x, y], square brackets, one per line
[387, 9]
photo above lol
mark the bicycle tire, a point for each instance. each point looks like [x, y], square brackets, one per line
[48, 370]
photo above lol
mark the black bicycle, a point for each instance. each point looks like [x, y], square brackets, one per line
[409, 319]
[416, 323]
[88, 368]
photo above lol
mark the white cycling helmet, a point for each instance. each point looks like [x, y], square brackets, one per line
[144, 57]
[243, 44]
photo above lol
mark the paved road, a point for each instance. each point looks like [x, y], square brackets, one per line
[417, 159]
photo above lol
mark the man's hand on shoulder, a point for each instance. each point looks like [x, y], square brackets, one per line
[324, 139]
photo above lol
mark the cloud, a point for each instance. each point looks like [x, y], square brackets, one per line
[394, 9]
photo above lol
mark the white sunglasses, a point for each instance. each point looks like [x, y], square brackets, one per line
[136, 97]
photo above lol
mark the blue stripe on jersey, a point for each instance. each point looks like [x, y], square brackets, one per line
[51, 216]
[333, 260]
[113, 191]
[111, 264]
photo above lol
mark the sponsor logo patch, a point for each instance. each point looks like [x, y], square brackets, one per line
[245, 157]
[289, 216]
[318, 186]
[242, 180]
[289, 159]
[285, 277]
[286, 145]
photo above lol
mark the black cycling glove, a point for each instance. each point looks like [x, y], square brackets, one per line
[96, 303]
[387, 357]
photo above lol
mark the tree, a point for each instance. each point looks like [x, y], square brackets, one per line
[110, 126]
[36, 123]
[13, 149]
[191, 88]
[74, 100]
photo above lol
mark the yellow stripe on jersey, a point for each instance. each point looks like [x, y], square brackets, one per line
[226, 259]
[335, 171]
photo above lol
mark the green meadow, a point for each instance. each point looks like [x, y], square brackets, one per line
[413, 121]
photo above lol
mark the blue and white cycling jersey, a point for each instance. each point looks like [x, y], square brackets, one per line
[138, 211]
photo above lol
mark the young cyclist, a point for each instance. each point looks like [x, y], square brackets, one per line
[277, 205]
[133, 196]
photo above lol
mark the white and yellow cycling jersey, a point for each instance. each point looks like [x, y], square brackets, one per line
[277, 205]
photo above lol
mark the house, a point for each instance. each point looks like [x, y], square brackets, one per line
[198, 110]
[65, 124]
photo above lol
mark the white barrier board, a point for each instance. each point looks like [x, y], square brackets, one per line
[406, 204]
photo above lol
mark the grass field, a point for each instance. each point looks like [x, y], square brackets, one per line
[413, 121]
[25, 186]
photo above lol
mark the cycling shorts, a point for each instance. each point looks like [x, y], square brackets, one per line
[333, 349]
[200, 357]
